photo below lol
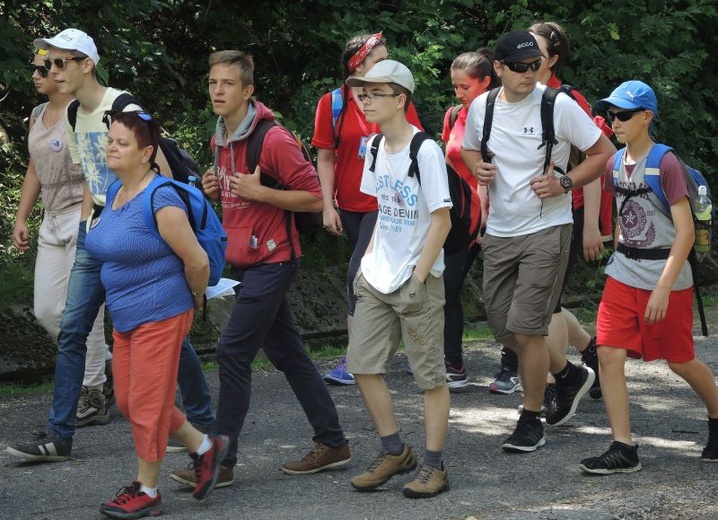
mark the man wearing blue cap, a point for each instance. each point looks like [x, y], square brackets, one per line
[646, 308]
[529, 228]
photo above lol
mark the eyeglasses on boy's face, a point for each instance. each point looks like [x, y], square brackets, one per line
[521, 67]
[40, 69]
[624, 115]
[370, 97]
[60, 62]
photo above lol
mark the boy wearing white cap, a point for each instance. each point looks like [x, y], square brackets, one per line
[399, 287]
[646, 309]
[71, 61]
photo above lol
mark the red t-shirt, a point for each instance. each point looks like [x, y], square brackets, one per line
[257, 232]
[453, 137]
[605, 214]
[355, 131]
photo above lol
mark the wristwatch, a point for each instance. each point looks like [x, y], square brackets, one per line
[566, 183]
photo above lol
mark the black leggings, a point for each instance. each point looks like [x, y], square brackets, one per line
[457, 266]
[359, 227]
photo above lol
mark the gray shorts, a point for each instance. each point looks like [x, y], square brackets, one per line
[414, 312]
[523, 277]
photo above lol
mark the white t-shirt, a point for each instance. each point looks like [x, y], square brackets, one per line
[88, 145]
[515, 137]
[405, 209]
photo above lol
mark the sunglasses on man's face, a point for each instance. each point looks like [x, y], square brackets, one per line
[521, 67]
[40, 69]
[60, 62]
[624, 115]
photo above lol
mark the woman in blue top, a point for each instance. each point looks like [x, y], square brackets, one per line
[154, 284]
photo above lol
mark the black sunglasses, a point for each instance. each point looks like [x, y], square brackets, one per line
[521, 67]
[40, 69]
[624, 115]
[60, 62]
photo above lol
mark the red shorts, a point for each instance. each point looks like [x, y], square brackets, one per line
[620, 324]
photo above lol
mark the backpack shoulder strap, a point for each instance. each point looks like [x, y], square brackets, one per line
[72, 113]
[148, 213]
[119, 105]
[414, 147]
[112, 192]
[548, 134]
[337, 106]
[652, 175]
[124, 99]
[374, 150]
[488, 121]
[454, 115]
[255, 141]
[37, 110]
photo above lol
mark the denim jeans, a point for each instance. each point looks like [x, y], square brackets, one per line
[85, 296]
[261, 318]
[196, 398]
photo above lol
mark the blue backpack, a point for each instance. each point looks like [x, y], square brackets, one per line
[657, 196]
[204, 221]
[654, 192]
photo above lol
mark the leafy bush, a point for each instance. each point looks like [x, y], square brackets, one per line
[158, 51]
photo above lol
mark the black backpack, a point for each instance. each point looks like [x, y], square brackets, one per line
[305, 222]
[466, 210]
[182, 164]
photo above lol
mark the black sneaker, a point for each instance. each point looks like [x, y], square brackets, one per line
[710, 452]
[620, 458]
[550, 401]
[527, 437]
[589, 356]
[568, 397]
[54, 450]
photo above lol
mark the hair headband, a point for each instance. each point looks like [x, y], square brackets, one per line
[363, 52]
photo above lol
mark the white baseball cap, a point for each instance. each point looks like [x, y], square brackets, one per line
[386, 71]
[71, 40]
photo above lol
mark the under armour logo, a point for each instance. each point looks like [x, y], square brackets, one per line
[528, 130]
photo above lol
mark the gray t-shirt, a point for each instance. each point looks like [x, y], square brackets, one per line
[642, 225]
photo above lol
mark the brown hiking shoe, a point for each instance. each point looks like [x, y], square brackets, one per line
[384, 467]
[188, 477]
[428, 482]
[322, 457]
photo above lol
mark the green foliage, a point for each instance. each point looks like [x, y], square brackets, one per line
[158, 50]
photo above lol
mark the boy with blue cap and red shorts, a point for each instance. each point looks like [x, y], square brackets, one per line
[646, 309]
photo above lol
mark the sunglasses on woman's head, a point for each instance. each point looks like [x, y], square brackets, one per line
[624, 115]
[521, 67]
[40, 69]
[60, 62]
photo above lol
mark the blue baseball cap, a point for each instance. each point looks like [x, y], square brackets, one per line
[630, 95]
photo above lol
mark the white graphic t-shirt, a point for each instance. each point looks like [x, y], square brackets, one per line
[405, 209]
[88, 145]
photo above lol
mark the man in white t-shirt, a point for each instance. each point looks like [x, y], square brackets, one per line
[399, 287]
[528, 231]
